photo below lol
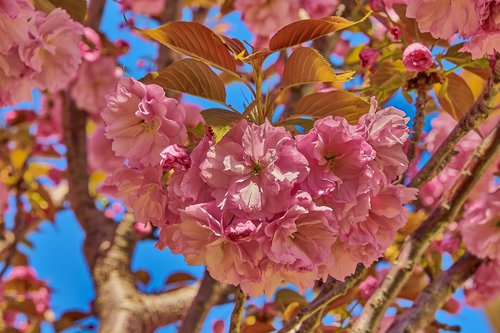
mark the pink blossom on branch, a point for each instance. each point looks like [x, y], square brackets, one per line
[141, 121]
[480, 227]
[485, 286]
[52, 50]
[417, 57]
[145, 7]
[254, 168]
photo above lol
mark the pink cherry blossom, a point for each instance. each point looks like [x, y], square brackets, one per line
[16, 84]
[91, 49]
[95, 80]
[480, 227]
[443, 18]
[318, 9]
[193, 115]
[485, 286]
[417, 57]
[186, 187]
[141, 121]
[368, 56]
[15, 23]
[50, 123]
[265, 17]
[483, 43]
[145, 7]
[52, 50]
[224, 242]
[387, 132]
[35, 289]
[368, 287]
[338, 157]
[176, 157]
[142, 192]
[99, 153]
[254, 167]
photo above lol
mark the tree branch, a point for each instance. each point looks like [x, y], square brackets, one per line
[480, 111]
[94, 14]
[435, 295]
[419, 240]
[210, 294]
[332, 292]
[97, 228]
[236, 316]
[173, 12]
[418, 120]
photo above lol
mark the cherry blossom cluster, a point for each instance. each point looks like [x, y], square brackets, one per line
[478, 20]
[261, 207]
[479, 226]
[23, 285]
[37, 50]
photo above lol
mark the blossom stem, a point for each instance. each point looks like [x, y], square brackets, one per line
[414, 247]
[327, 295]
[470, 121]
[435, 295]
[236, 316]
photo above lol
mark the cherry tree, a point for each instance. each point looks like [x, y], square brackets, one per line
[317, 198]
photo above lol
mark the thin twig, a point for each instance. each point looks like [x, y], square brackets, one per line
[419, 240]
[480, 111]
[418, 120]
[322, 301]
[435, 295]
[237, 315]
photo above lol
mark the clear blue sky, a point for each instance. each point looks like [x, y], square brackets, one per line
[57, 253]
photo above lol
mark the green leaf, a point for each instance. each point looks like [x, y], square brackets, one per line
[305, 30]
[191, 77]
[220, 117]
[194, 40]
[305, 123]
[333, 103]
[306, 65]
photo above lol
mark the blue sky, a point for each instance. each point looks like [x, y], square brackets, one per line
[57, 253]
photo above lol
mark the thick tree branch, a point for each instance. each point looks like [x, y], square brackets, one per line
[435, 295]
[328, 294]
[480, 111]
[173, 12]
[97, 228]
[419, 240]
[210, 294]
[94, 14]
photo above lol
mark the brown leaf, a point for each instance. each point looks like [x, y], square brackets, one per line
[285, 297]
[191, 77]
[195, 40]
[179, 277]
[142, 276]
[305, 30]
[306, 65]
[258, 327]
[333, 103]
[456, 98]
[68, 319]
[77, 9]
[220, 117]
